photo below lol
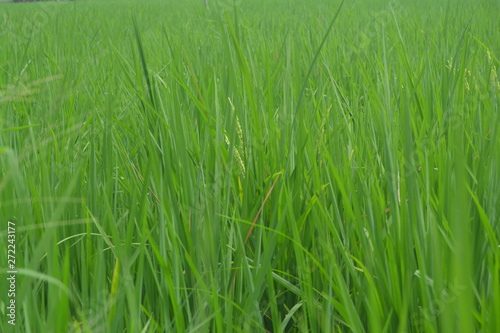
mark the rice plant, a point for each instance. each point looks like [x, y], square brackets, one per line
[260, 166]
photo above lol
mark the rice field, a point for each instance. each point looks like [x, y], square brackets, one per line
[261, 166]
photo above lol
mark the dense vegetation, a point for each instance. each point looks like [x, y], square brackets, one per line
[264, 166]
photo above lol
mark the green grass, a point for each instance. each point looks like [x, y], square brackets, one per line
[262, 166]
